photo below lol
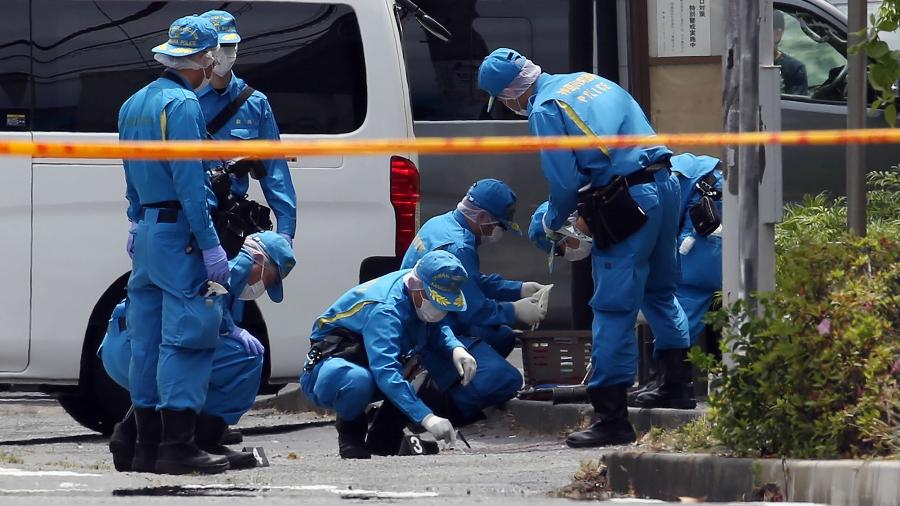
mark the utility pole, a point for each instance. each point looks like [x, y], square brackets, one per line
[856, 118]
[741, 110]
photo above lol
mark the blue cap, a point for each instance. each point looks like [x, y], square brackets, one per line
[498, 70]
[189, 35]
[225, 24]
[281, 254]
[536, 232]
[495, 197]
[443, 276]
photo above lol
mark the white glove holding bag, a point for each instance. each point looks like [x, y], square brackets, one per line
[529, 311]
[465, 364]
[440, 428]
[530, 288]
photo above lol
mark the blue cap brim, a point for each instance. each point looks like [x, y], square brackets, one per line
[229, 38]
[276, 292]
[446, 301]
[176, 51]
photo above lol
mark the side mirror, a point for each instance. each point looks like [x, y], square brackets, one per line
[427, 22]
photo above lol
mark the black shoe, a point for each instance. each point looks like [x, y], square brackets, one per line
[121, 442]
[178, 452]
[674, 387]
[611, 425]
[232, 436]
[653, 374]
[208, 435]
[386, 431]
[352, 437]
[146, 446]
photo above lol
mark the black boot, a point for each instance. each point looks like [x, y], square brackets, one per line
[178, 452]
[232, 436]
[653, 373]
[352, 437]
[208, 435]
[674, 386]
[146, 446]
[386, 431]
[121, 443]
[611, 425]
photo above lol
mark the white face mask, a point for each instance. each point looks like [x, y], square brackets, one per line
[203, 84]
[254, 291]
[428, 313]
[580, 253]
[495, 236]
[225, 60]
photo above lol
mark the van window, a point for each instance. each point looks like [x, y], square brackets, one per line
[90, 56]
[811, 56]
[15, 66]
[443, 77]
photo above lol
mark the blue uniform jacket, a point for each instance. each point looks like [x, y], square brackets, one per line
[255, 120]
[586, 104]
[232, 307]
[702, 266]
[487, 297]
[167, 110]
[382, 312]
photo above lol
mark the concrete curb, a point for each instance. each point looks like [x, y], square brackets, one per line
[545, 418]
[668, 476]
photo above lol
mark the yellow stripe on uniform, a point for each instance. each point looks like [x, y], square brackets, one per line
[163, 122]
[321, 322]
[580, 123]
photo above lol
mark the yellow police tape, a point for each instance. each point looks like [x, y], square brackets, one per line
[175, 150]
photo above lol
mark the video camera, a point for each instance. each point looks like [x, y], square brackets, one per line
[236, 216]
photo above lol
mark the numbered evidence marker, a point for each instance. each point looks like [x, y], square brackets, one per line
[414, 444]
[259, 454]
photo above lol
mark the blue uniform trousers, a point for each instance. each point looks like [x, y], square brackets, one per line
[174, 329]
[233, 384]
[348, 388]
[639, 273]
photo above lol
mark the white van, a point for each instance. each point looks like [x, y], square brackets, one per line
[330, 69]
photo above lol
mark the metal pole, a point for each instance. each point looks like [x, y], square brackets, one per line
[748, 156]
[856, 118]
[731, 119]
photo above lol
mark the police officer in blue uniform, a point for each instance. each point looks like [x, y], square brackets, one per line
[494, 304]
[359, 346]
[174, 325]
[700, 254]
[263, 262]
[630, 203]
[253, 120]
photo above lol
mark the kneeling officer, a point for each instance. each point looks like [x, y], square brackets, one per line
[360, 343]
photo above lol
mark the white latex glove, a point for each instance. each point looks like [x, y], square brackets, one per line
[530, 288]
[465, 364]
[529, 311]
[440, 428]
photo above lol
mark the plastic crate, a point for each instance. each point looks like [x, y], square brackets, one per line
[557, 357]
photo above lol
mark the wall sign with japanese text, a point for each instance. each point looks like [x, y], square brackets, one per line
[683, 27]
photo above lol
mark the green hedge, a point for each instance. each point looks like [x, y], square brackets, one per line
[816, 368]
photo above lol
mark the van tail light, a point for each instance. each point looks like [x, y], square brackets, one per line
[405, 199]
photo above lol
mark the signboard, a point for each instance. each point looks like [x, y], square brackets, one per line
[683, 28]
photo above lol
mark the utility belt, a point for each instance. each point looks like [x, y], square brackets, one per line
[340, 343]
[610, 212]
[705, 214]
[168, 211]
[236, 216]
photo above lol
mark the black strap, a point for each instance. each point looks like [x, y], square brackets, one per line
[230, 110]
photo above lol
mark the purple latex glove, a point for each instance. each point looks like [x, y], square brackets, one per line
[287, 238]
[129, 247]
[216, 263]
[250, 344]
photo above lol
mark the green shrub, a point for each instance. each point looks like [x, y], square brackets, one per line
[816, 364]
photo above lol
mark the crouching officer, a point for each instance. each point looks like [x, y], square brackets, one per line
[173, 326]
[359, 346]
[235, 111]
[630, 204]
[700, 253]
[494, 304]
[263, 262]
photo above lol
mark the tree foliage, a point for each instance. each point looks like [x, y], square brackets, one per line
[884, 70]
